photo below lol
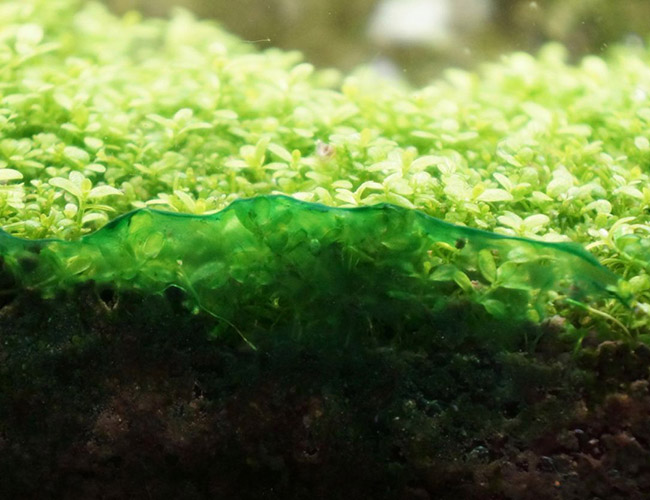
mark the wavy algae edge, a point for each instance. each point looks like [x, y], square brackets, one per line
[274, 260]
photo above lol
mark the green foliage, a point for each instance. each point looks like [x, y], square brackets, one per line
[101, 115]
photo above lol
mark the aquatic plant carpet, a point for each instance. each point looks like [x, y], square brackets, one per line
[275, 261]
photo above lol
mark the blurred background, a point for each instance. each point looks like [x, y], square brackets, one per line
[416, 39]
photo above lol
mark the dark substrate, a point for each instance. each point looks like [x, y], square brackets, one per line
[111, 397]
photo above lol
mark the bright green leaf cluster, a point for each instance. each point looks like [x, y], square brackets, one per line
[100, 115]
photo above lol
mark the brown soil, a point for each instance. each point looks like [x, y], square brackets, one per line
[106, 397]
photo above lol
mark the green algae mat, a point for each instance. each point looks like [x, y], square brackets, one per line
[275, 259]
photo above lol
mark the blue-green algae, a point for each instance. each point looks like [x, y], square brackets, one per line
[274, 259]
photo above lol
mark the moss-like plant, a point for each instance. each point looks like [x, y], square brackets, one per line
[100, 115]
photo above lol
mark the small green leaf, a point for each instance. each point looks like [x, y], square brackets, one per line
[370, 185]
[600, 206]
[639, 283]
[463, 281]
[95, 167]
[93, 143]
[630, 191]
[446, 272]
[280, 152]
[186, 199]
[511, 275]
[160, 120]
[76, 156]
[504, 181]
[66, 185]
[559, 185]
[93, 216]
[213, 273]
[423, 162]
[101, 191]
[399, 200]
[104, 208]
[183, 114]
[153, 244]
[487, 265]
[77, 264]
[535, 222]
[539, 197]
[346, 196]
[510, 219]
[9, 174]
[494, 307]
[491, 195]
[260, 150]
